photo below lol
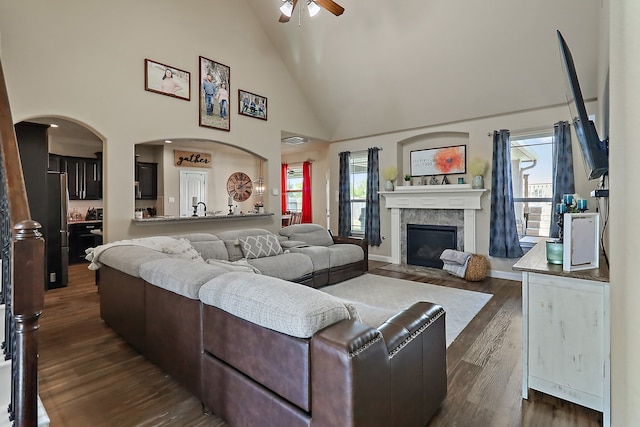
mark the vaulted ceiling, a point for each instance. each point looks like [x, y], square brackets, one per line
[389, 65]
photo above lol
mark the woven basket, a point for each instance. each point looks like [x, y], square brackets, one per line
[477, 268]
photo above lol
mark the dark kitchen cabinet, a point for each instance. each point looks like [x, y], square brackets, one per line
[84, 177]
[147, 179]
[81, 238]
[54, 162]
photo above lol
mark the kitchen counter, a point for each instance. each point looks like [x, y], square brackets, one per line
[83, 221]
[184, 219]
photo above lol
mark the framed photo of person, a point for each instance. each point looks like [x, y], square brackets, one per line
[215, 94]
[167, 80]
[252, 105]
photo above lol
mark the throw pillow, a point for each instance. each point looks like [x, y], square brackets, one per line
[260, 246]
[181, 248]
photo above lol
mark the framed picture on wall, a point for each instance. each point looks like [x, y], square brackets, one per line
[167, 80]
[252, 105]
[215, 94]
[439, 161]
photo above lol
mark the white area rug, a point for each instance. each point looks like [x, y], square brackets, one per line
[378, 296]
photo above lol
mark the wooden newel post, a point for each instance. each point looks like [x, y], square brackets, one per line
[28, 303]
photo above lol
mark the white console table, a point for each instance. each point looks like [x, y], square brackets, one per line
[566, 332]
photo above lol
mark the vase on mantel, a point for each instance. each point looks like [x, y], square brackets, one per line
[477, 182]
[388, 185]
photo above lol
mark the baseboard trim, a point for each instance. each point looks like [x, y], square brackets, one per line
[380, 258]
[508, 275]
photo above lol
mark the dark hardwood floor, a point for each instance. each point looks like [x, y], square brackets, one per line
[90, 377]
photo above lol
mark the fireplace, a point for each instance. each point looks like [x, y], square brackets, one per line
[425, 199]
[425, 243]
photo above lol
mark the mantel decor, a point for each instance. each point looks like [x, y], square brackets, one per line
[252, 105]
[167, 80]
[439, 161]
[215, 94]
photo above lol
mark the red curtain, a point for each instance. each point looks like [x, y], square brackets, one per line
[283, 184]
[306, 192]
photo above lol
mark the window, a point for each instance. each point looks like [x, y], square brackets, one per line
[532, 181]
[294, 188]
[358, 187]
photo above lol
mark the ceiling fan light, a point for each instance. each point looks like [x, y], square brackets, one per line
[313, 8]
[287, 9]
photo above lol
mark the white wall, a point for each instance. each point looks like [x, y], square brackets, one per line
[624, 50]
[85, 61]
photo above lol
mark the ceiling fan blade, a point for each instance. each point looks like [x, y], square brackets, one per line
[331, 6]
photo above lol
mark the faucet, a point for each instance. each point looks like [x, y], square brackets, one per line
[205, 207]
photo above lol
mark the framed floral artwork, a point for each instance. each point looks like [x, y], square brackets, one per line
[167, 80]
[252, 105]
[215, 94]
[439, 161]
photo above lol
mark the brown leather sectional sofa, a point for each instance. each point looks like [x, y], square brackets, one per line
[345, 374]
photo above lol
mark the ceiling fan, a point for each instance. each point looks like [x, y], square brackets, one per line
[313, 7]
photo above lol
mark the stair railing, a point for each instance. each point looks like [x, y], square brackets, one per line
[23, 268]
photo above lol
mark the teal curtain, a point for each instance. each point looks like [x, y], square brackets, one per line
[563, 181]
[503, 234]
[372, 220]
[344, 198]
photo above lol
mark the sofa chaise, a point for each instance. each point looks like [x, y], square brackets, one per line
[160, 294]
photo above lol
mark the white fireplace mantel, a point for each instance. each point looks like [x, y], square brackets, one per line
[451, 196]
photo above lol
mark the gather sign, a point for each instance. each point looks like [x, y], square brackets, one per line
[191, 159]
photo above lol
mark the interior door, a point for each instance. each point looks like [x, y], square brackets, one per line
[193, 184]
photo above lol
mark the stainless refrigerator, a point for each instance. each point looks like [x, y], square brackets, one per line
[57, 231]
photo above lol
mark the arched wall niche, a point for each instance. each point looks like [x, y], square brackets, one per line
[225, 160]
[428, 141]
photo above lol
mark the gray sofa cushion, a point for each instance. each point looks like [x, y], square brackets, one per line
[128, 259]
[343, 254]
[311, 234]
[207, 245]
[240, 265]
[275, 304]
[287, 266]
[320, 256]
[212, 249]
[179, 276]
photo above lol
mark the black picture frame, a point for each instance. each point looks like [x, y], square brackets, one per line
[252, 105]
[439, 161]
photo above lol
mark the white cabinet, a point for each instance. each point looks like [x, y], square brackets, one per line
[566, 340]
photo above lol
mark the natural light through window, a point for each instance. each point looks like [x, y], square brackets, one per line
[358, 178]
[532, 178]
[294, 188]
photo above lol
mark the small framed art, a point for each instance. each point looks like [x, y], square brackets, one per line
[167, 80]
[439, 161]
[215, 94]
[252, 105]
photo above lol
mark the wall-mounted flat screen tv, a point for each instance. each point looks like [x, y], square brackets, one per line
[595, 152]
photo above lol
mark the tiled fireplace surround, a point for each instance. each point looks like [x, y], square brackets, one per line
[452, 204]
